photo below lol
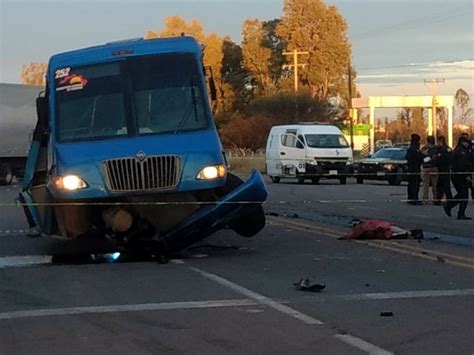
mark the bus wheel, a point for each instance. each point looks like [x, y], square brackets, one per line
[315, 180]
[6, 174]
[300, 180]
[275, 179]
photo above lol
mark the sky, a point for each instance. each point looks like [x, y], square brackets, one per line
[396, 43]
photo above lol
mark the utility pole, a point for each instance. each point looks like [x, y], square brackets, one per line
[351, 122]
[434, 89]
[295, 53]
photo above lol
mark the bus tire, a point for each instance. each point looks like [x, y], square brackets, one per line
[275, 179]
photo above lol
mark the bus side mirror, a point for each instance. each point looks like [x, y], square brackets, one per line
[42, 111]
[212, 88]
[212, 85]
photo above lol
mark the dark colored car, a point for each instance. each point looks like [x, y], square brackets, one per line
[387, 164]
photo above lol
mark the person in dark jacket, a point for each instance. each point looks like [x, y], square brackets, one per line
[461, 167]
[414, 159]
[429, 168]
[471, 150]
[443, 162]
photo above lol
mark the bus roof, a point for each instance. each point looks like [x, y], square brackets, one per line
[133, 47]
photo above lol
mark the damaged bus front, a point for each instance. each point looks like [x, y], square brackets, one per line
[125, 147]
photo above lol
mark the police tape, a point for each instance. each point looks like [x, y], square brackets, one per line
[209, 203]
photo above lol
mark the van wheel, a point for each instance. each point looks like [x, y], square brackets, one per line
[315, 181]
[275, 179]
[343, 180]
[300, 180]
[360, 180]
[6, 174]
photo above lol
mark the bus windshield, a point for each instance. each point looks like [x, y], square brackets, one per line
[135, 96]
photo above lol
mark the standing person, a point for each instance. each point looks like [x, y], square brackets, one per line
[414, 159]
[443, 162]
[461, 167]
[471, 153]
[429, 170]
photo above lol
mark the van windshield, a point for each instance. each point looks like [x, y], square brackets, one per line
[136, 96]
[326, 141]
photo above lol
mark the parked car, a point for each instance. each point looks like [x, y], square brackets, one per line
[380, 144]
[404, 145]
[387, 164]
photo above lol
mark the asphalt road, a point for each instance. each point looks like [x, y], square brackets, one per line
[330, 202]
[235, 295]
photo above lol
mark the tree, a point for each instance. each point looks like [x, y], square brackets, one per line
[175, 26]
[234, 75]
[256, 57]
[462, 101]
[34, 74]
[275, 43]
[312, 26]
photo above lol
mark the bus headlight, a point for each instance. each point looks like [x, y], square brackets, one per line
[212, 172]
[69, 183]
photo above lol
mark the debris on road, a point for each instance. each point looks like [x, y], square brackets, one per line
[417, 233]
[440, 259]
[386, 314]
[308, 286]
[274, 214]
[199, 256]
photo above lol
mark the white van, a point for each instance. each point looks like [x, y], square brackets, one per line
[308, 151]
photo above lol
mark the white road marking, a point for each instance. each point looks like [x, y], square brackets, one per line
[126, 308]
[11, 231]
[347, 338]
[362, 344]
[259, 298]
[19, 261]
[409, 294]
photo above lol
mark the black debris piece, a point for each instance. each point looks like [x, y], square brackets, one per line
[417, 233]
[274, 214]
[440, 259]
[386, 314]
[308, 286]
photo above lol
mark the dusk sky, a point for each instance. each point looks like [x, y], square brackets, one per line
[396, 43]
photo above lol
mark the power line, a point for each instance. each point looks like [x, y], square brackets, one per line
[423, 21]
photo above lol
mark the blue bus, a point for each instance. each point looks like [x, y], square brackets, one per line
[125, 148]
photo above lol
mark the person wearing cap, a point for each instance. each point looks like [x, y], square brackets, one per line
[429, 170]
[414, 159]
[461, 168]
[443, 162]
